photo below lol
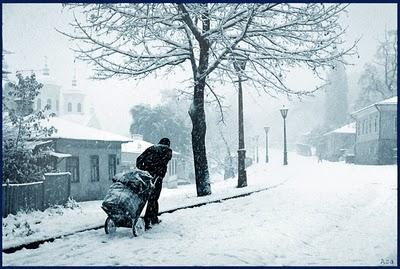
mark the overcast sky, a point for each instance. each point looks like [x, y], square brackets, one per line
[29, 32]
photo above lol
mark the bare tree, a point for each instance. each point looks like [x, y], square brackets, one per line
[134, 40]
[379, 79]
[387, 59]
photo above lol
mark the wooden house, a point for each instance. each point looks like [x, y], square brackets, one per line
[92, 156]
[376, 136]
[337, 143]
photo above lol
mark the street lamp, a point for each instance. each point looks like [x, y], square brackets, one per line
[239, 63]
[284, 112]
[266, 128]
[257, 147]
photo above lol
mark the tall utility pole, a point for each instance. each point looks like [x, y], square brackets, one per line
[284, 112]
[257, 148]
[266, 143]
[240, 64]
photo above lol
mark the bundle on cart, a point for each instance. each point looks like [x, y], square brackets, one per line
[126, 198]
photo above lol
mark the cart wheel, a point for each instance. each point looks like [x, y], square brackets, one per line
[110, 226]
[134, 228]
[138, 227]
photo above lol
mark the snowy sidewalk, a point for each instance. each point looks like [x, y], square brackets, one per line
[25, 228]
[325, 214]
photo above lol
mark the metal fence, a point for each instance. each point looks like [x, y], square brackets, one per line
[54, 189]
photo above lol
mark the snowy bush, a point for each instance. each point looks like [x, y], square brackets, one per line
[72, 204]
[17, 225]
[23, 161]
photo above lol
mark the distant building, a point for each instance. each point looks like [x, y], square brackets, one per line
[66, 102]
[4, 71]
[92, 157]
[131, 150]
[303, 149]
[339, 142]
[50, 93]
[376, 136]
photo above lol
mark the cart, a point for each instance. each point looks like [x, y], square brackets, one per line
[126, 199]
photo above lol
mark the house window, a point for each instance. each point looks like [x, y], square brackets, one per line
[376, 124]
[73, 167]
[369, 125]
[362, 125]
[49, 103]
[94, 168]
[57, 105]
[39, 104]
[365, 126]
[112, 165]
[69, 107]
[172, 167]
[79, 107]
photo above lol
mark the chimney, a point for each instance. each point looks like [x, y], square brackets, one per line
[74, 78]
[46, 70]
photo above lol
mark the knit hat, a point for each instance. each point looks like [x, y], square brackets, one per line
[164, 141]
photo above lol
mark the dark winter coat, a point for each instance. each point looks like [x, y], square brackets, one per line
[155, 160]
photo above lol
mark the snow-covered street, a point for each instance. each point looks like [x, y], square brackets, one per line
[212, 134]
[324, 214]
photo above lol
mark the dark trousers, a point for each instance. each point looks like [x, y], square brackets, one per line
[152, 205]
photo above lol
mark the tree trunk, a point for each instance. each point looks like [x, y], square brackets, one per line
[198, 118]
[198, 115]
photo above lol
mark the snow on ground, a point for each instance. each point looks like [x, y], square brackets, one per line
[323, 214]
[27, 227]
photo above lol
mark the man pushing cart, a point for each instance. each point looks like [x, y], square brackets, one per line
[130, 191]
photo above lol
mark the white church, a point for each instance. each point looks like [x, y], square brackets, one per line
[65, 102]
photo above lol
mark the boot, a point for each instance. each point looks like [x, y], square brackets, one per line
[147, 226]
[155, 221]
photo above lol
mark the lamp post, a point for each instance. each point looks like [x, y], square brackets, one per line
[257, 147]
[266, 128]
[239, 64]
[284, 112]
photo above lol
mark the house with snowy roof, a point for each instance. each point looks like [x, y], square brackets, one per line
[376, 135]
[338, 142]
[92, 156]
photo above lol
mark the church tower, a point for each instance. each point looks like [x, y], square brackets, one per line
[75, 106]
[73, 99]
[50, 92]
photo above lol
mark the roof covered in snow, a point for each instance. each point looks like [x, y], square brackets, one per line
[392, 100]
[89, 120]
[389, 101]
[346, 129]
[77, 118]
[71, 130]
[138, 146]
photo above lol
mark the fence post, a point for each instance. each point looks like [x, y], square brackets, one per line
[69, 184]
[8, 198]
[43, 194]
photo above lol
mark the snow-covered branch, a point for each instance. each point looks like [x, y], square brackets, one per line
[136, 39]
